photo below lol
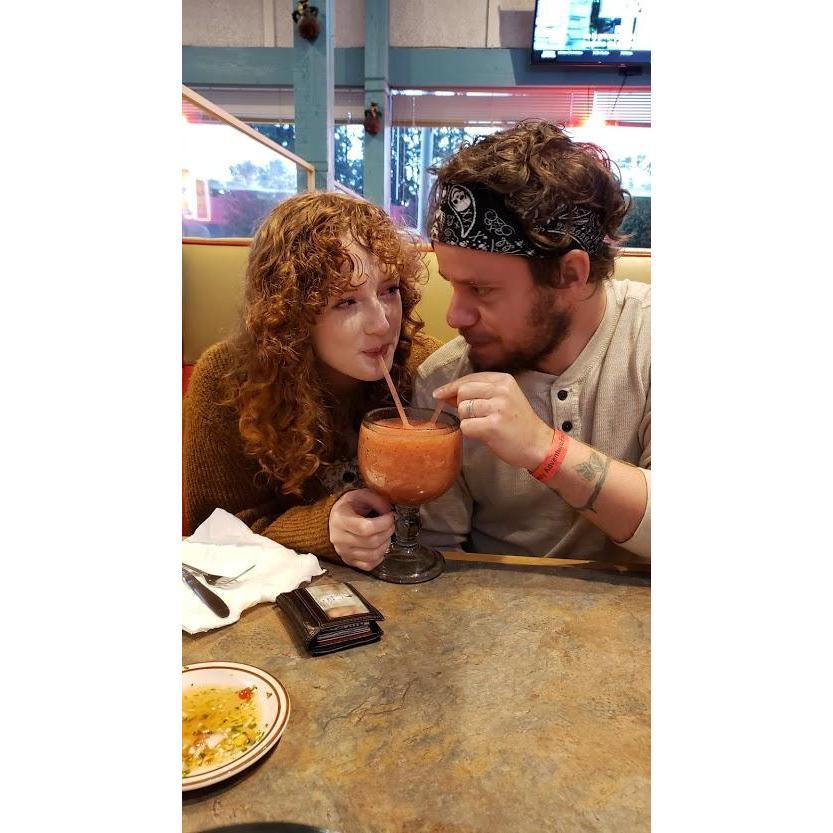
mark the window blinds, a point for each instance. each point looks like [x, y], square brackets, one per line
[567, 105]
[452, 108]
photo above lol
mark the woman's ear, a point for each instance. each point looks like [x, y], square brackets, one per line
[574, 269]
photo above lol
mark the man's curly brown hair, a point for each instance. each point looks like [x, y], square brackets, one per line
[536, 166]
[298, 258]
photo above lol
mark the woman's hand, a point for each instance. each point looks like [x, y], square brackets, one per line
[361, 541]
[493, 409]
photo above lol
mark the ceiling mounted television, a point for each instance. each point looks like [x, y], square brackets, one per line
[591, 32]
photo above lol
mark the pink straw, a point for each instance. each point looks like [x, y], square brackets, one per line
[436, 415]
[394, 394]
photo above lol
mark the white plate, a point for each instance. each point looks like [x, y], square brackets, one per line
[273, 710]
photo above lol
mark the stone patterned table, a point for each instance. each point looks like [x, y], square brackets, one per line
[501, 698]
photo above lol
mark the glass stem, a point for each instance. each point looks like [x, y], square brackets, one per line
[407, 527]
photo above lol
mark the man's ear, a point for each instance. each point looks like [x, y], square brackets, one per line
[574, 269]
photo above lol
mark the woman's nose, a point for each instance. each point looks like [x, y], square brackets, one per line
[460, 313]
[376, 321]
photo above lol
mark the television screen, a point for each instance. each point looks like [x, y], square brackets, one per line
[591, 32]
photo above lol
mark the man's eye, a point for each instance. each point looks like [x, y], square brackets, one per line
[481, 291]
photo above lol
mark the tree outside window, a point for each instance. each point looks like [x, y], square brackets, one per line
[414, 149]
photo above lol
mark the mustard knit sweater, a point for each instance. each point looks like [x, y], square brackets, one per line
[218, 472]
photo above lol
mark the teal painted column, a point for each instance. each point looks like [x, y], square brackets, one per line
[426, 157]
[313, 80]
[377, 148]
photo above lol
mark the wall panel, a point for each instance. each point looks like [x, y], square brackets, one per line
[223, 23]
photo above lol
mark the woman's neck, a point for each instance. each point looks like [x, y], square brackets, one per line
[336, 382]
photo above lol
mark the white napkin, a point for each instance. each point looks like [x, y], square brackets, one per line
[224, 545]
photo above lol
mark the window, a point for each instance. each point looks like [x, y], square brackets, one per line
[271, 111]
[630, 149]
[231, 178]
[349, 149]
[618, 121]
[413, 151]
[349, 156]
[428, 125]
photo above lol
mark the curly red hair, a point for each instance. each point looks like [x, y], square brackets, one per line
[298, 259]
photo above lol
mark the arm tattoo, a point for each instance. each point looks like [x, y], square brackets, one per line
[588, 471]
[591, 468]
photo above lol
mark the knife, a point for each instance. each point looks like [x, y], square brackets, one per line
[217, 606]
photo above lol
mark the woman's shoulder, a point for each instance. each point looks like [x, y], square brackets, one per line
[210, 370]
[423, 346]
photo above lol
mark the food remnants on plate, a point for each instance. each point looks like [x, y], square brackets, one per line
[218, 725]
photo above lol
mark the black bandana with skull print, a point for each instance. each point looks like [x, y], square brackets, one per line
[475, 217]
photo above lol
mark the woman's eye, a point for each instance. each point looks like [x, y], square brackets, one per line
[344, 303]
[392, 290]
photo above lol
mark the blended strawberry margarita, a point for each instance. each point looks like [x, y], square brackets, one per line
[409, 466]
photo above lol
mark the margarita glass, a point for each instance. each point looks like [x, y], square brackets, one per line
[409, 467]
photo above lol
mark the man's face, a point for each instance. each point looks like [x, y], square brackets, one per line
[510, 323]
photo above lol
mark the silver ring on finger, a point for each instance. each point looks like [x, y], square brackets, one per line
[470, 409]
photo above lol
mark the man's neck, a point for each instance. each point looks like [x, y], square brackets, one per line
[587, 315]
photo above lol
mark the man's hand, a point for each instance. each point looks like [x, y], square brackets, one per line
[493, 409]
[609, 493]
[361, 541]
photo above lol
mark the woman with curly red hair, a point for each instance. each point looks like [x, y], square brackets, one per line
[271, 416]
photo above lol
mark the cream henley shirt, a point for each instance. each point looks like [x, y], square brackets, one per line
[603, 399]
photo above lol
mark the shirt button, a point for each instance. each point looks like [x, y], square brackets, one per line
[562, 395]
[567, 425]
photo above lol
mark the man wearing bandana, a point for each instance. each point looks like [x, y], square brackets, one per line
[551, 373]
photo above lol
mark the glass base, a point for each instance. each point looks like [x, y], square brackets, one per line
[410, 566]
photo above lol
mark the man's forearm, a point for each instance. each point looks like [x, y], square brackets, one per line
[611, 494]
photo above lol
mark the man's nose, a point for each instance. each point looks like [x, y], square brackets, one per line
[461, 313]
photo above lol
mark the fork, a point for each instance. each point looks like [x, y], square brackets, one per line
[214, 580]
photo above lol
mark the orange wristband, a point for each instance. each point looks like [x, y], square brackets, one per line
[554, 458]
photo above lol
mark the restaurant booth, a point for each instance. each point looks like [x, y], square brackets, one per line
[213, 268]
[509, 694]
[212, 291]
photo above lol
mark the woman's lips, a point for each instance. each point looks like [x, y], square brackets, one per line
[377, 352]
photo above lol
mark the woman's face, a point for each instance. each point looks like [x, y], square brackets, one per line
[359, 326]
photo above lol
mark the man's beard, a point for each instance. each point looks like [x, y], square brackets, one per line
[547, 327]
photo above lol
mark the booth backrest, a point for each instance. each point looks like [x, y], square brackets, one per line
[212, 291]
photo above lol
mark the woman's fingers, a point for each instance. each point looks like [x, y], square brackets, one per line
[368, 542]
[371, 530]
[360, 541]
[372, 501]
[363, 558]
[365, 502]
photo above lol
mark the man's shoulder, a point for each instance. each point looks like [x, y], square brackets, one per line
[632, 321]
[442, 363]
[632, 293]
